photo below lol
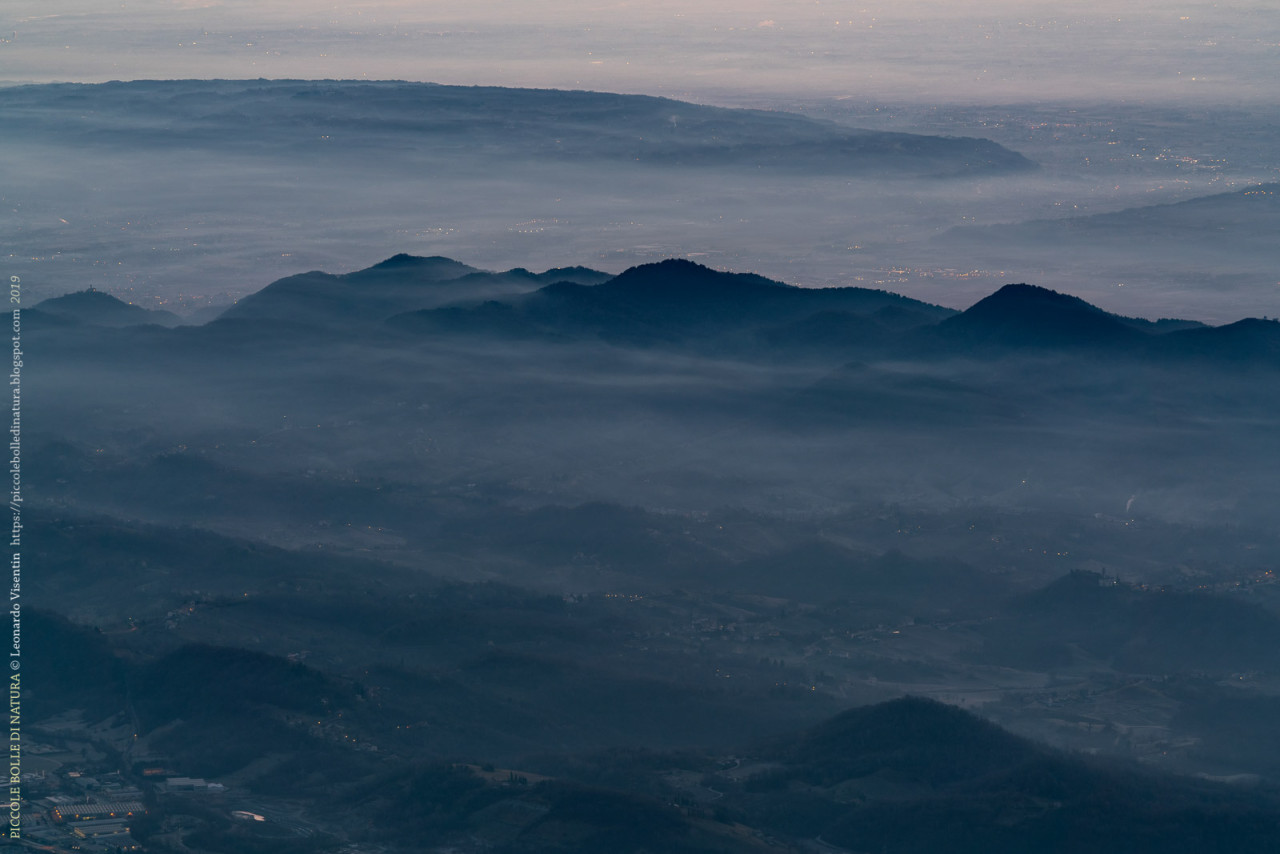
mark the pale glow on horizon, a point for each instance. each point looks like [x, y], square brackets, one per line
[917, 50]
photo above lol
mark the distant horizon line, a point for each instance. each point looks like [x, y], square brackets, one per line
[1207, 102]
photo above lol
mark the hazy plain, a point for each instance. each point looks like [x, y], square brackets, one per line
[184, 220]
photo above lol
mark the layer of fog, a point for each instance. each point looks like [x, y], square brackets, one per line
[530, 424]
[205, 222]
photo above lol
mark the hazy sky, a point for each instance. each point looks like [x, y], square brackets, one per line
[977, 52]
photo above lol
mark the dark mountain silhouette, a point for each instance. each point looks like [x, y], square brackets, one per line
[399, 284]
[686, 281]
[578, 274]
[1031, 316]
[678, 302]
[1248, 341]
[913, 740]
[914, 775]
[656, 290]
[433, 268]
[99, 308]
[683, 305]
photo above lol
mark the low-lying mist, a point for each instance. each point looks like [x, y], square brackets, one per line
[207, 196]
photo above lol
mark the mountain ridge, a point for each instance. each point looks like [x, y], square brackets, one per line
[686, 305]
[608, 126]
[393, 286]
[99, 308]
